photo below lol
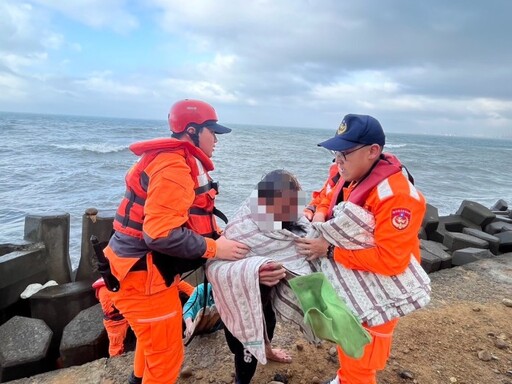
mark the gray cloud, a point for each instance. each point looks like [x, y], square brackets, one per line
[439, 66]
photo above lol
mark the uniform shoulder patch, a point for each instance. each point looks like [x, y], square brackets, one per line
[400, 218]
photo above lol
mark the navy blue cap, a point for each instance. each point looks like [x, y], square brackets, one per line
[355, 130]
[215, 127]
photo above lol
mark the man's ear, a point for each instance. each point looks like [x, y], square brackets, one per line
[191, 130]
[375, 151]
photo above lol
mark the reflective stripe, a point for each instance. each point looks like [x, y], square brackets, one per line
[202, 177]
[414, 192]
[159, 318]
[384, 189]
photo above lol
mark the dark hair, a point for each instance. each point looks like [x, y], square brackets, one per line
[273, 183]
[193, 136]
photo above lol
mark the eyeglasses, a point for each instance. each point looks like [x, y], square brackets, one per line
[344, 154]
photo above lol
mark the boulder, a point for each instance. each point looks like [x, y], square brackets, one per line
[505, 239]
[439, 251]
[494, 242]
[20, 268]
[84, 339]
[454, 241]
[58, 305]
[476, 213]
[469, 255]
[24, 344]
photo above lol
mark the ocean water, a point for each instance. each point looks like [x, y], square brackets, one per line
[55, 164]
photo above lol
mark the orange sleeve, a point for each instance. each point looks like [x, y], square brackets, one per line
[325, 202]
[185, 287]
[393, 246]
[169, 197]
[318, 196]
[211, 248]
[170, 194]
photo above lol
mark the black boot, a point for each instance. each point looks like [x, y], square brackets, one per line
[134, 379]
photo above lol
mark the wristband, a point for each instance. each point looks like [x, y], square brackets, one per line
[330, 251]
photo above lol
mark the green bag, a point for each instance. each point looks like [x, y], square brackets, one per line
[327, 314]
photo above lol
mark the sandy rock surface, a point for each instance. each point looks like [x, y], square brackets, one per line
[464, 336]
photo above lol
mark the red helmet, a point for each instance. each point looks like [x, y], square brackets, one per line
[194, 112]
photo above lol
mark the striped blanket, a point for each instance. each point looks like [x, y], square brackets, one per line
[373, 298]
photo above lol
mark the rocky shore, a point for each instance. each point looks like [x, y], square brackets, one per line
[463, 336]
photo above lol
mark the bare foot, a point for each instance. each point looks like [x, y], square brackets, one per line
[279, 355]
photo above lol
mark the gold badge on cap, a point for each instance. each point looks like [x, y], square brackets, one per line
[342, 128]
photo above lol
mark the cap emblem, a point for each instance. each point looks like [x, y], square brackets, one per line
[342, 128]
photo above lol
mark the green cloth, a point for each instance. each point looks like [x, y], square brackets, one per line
[327, 314]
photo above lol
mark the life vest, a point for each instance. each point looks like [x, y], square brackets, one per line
[130, 214]
[334, 177]
[330, 183]
[386, 166]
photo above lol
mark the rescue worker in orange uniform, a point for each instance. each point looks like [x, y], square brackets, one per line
[165, 225]
[373, 180]
[114, 322]
[185, 290]
[318, 196]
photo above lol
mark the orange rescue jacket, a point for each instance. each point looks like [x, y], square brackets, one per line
[398, 208]
[168, 206]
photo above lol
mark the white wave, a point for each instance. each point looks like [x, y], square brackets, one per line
[93, 147]
[395, 145]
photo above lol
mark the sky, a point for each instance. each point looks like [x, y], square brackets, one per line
[436, 67]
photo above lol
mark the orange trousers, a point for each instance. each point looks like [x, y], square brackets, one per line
[155, 319]
[375, 356]
[138, 361]
[116, 329]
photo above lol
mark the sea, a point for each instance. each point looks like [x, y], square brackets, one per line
[51, 164]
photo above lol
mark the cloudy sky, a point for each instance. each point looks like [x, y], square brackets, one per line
[441, 67]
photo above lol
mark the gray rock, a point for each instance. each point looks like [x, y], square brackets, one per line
[84, 339]
[476, 213]
[24, 344]
[494, 242]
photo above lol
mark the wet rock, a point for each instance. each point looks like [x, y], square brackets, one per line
[484, 355]
[280, 377]
[406, 375]
[501, 344]
[507, 302]
[186, 372]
